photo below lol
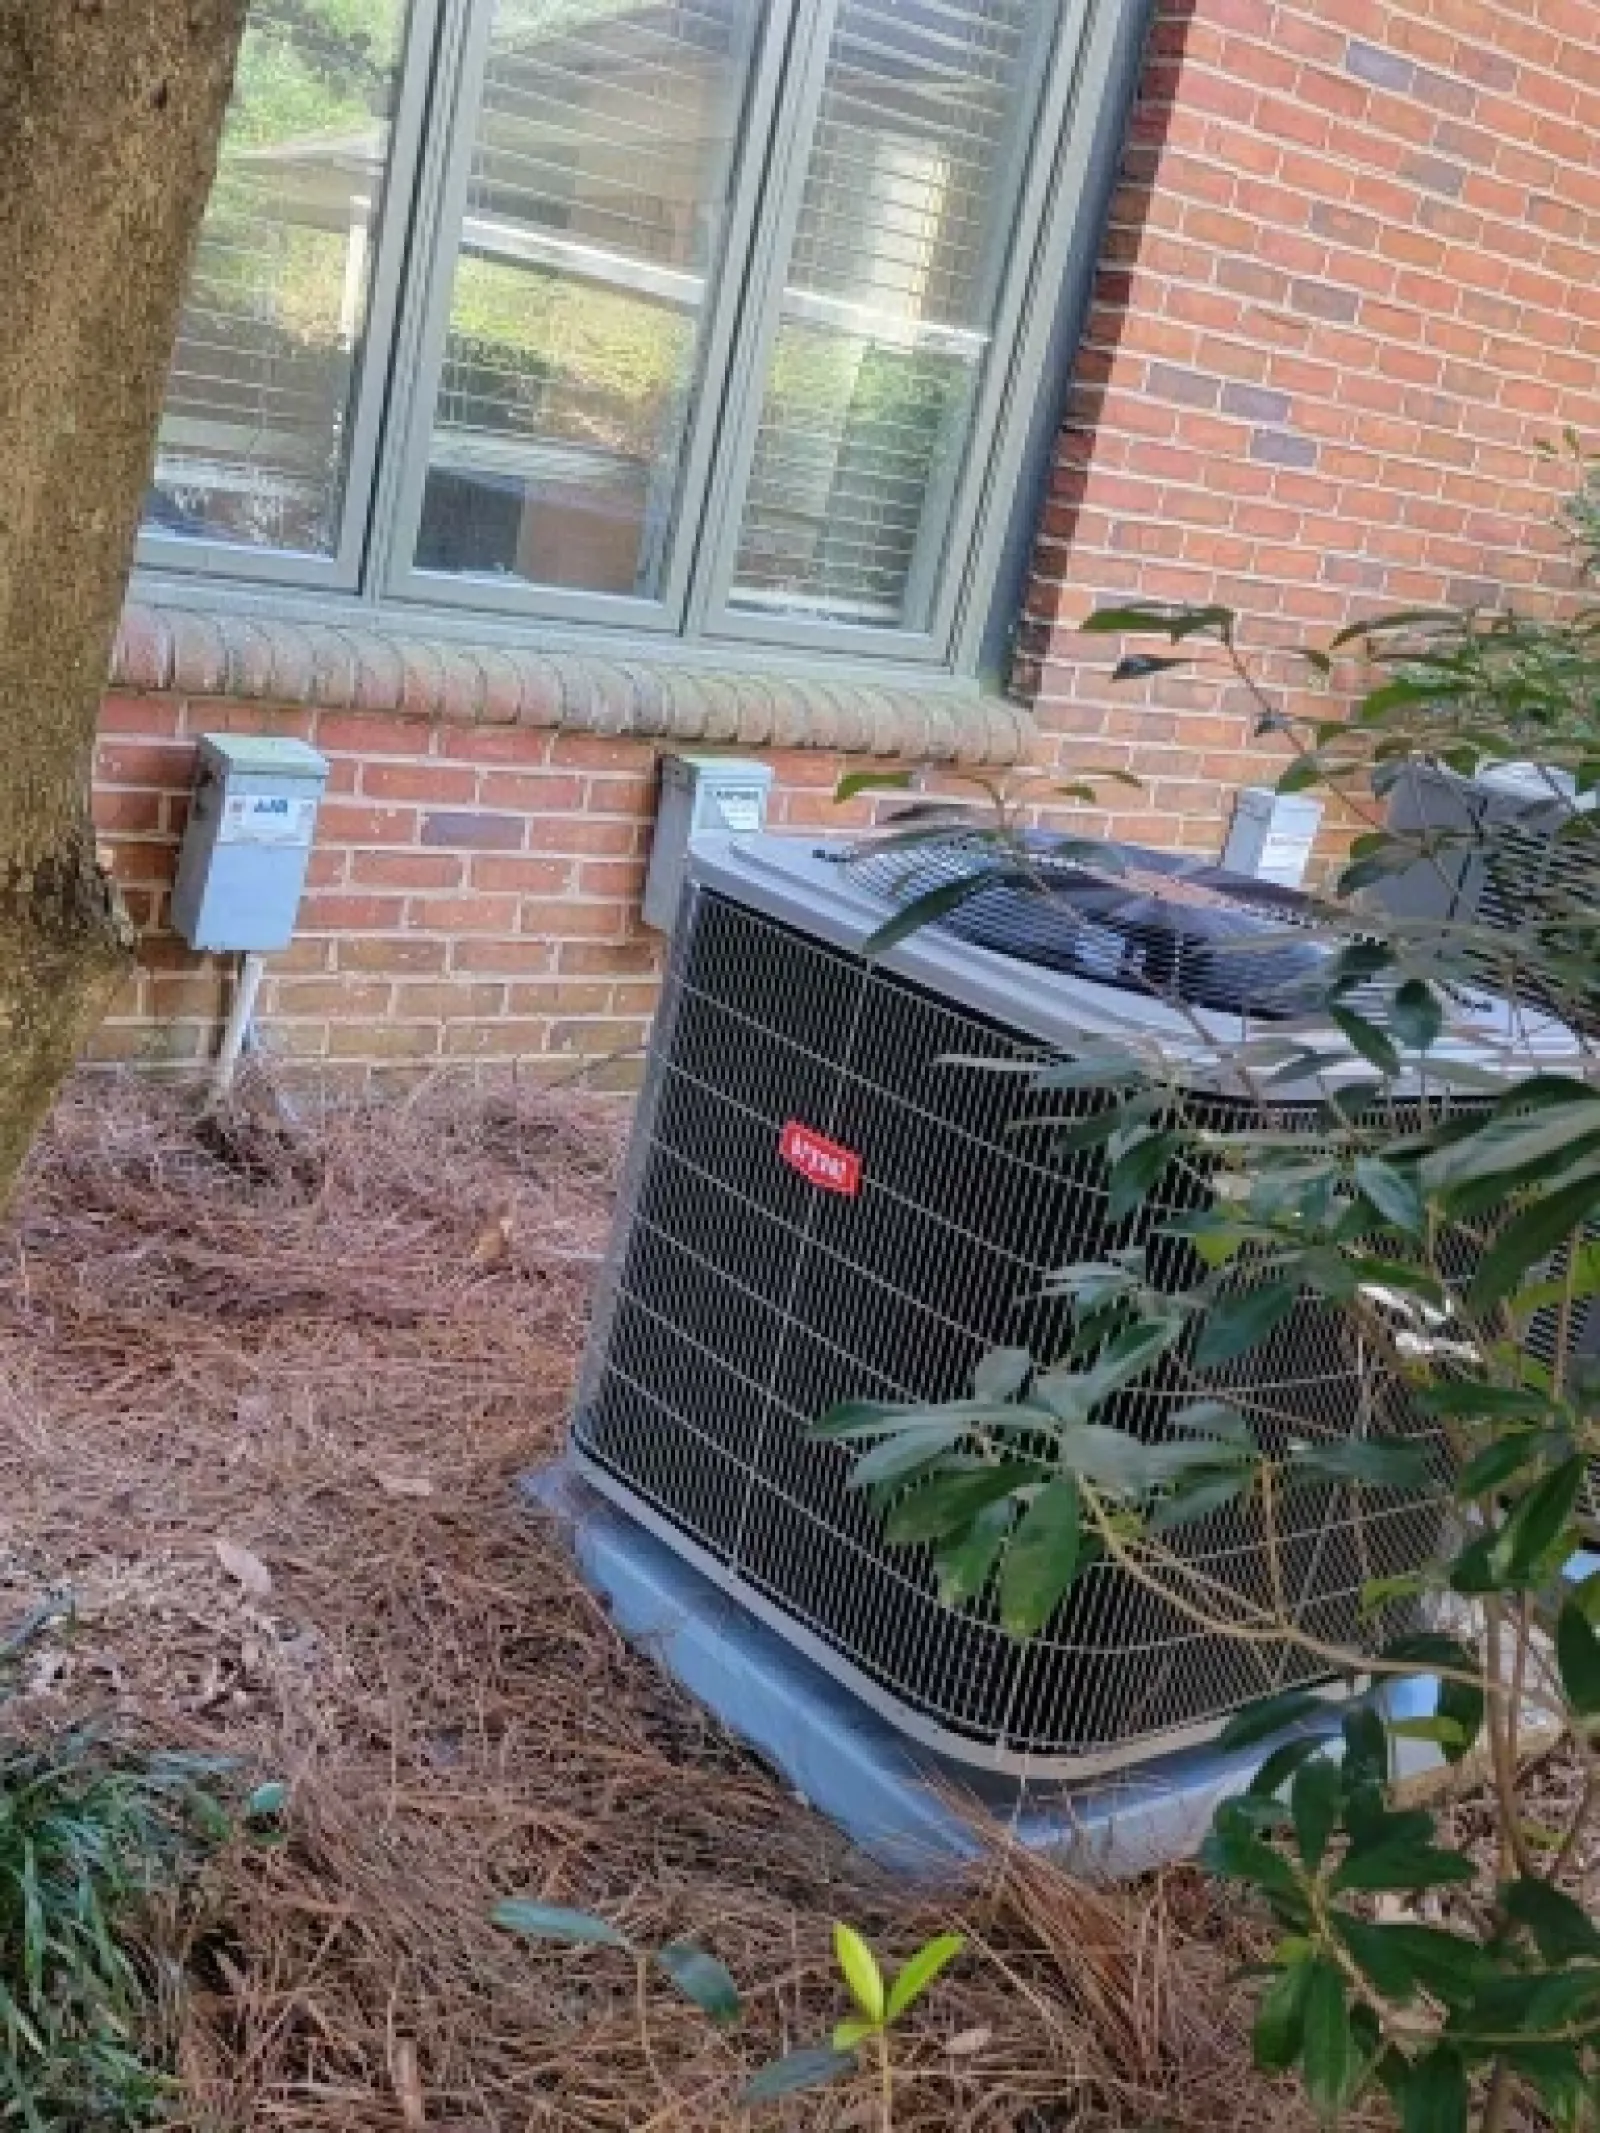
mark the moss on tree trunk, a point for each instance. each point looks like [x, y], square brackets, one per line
[110, 113]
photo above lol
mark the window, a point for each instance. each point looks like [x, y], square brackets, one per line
[710, 317]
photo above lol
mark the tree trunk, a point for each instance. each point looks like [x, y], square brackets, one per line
[110, 113]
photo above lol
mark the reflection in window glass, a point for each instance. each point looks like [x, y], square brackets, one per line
[890, 305]
[254, 437]
[601, 165]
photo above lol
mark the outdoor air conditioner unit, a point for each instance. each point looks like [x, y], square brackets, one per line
[822, 1200]
[1514, 847]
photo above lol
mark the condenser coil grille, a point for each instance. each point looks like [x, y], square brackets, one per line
[742, 1301]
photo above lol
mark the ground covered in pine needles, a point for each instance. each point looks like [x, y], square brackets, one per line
[265, 1391]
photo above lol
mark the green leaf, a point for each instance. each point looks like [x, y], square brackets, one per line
[860, 781]
[1392, 1192]
[702, 1979]
[1138, 665]
[267, 1801]
[1233, 1852]
[1509, 1146]
[1539, 1520]
[1282, 1764]
[1434, 2098]
[1529, 1238]
[1172, 621]
[1378, 1956]
[1304, 772]
[850, 2034]
[963, 1565]
[1366, 1745]
[1403, 618]
[1403, 1866]
[1279, 2029]
[1001, 1374]
[1328, 2054]
[923, 910]
[1259, 1721]
[861, 1973]
[1491, 1468]
[894, 1458]
[1314, 1804]
[1562, 1930]
[1366, 1038]
[1472, 1402]
[1196, 1496]
[1238, 1322]
[1215, 1418]
[1042, 1559]
[547, 1921]
[1578, 1658]
[918, 1972]
[1400, 1957]
[1415, 1015]
[1135, 1174]
[1375, 1462]
[812, 2068]
[950, 1502]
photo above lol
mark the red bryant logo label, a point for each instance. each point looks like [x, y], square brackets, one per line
[820, 1162]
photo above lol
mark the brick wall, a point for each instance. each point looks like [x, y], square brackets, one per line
[1350, 279]
[1352, 275]
[473, 894]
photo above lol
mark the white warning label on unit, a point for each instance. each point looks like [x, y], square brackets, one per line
[266, 818]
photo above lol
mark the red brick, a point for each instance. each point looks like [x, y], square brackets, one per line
[472, 830]
[352, 914]
[510, 958]
[410, 954]
[155, 717]
[531, 792]
[146, 763]
[407, 870]
[133, 813]
[339, 823]
[365, 733]
[464, 914]
[436, 784]
[528, 877]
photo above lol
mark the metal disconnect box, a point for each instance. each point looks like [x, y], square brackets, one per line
[701, 796]
[1272, 835]
[252, 819]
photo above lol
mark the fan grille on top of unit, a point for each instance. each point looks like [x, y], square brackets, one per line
[1158, 923]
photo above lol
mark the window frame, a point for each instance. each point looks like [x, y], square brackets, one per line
[1071, 158]
[1018, 286]
[401, 580]
[343, 569]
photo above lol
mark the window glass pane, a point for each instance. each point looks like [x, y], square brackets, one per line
[893, 285]
[253, 441]
[601, 166]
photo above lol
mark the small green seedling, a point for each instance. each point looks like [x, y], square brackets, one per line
[880, 2002]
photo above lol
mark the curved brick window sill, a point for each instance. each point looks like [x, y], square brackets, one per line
[202, 652]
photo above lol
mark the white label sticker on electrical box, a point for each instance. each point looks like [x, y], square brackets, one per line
[740, 809]
[266, 818]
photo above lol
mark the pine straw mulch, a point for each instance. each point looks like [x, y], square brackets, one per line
[335, 1349]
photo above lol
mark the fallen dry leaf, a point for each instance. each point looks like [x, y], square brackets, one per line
[251, 1572]
[404, 1485]
[968, 2043]
[493, 1247]
[408, 2084]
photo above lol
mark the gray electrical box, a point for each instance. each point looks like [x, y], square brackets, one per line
[701, 796]
[252, 819]
[1272, 835]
